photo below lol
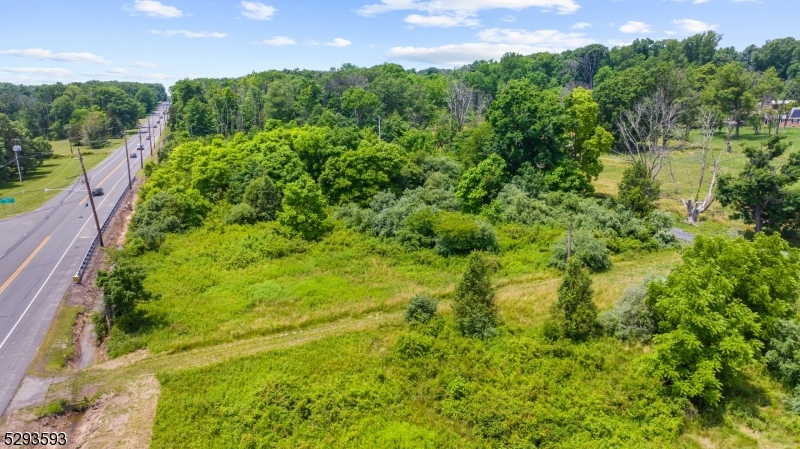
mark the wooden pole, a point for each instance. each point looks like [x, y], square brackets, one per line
[569, 241]
[91, 200]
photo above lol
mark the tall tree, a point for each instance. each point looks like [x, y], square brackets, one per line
[474, 301]
[731, 90]
[529, 126]
[758, 193]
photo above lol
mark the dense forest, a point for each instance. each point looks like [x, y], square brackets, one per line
[286, 199]
[88, 113]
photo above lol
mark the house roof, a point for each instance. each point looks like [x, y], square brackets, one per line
[795, 114]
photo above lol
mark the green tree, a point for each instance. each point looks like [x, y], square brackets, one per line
[575, 312]
[95, 129]
[147, 98]
[760, 190]
[716, 311]
[638, 192]
[731, 90]
[474, 301]
[197, 118]
[586, 140]
[701, 48]
[481, 184]
[363, 103]
[122, 288]
[356, 176]
[263, 197]
[304, 208]
[529, 126]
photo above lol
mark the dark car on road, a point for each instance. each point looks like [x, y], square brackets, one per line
[134, 156]
[97, 191]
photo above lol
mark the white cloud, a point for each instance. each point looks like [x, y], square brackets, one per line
[155, 9]
[144, 65]
[257, 11]
[556, 40]
[635, 27]
[277, 41]
[191, 34]
[496, 43]
[581, 25]
[470, 7]
[46, 71]
[338, 42]
[444, 21]
[694, 26]
[118, 71]
[40, 53]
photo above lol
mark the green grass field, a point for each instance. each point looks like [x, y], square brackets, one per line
[53, 176]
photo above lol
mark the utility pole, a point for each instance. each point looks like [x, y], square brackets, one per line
[91, 200]
[17, 150]
[569, 241]
[128, 160]
[150, 133]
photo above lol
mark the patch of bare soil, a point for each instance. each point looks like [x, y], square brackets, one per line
[122, 420]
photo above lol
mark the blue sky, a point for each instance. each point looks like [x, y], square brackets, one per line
[43, 41]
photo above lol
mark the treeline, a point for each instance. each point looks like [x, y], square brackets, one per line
[88, 113]
[48, 110]
[696, 71]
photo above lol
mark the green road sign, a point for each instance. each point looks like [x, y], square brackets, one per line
[6, 200]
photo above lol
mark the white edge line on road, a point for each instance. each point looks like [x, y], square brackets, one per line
[51, 273]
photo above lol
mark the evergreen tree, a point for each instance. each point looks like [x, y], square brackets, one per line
[575, 312]
[474, 307]
[637, 191]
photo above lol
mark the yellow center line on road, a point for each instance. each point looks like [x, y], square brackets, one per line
[24, 264]
[86, 197]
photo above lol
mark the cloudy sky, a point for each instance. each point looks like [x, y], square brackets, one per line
[43, 41]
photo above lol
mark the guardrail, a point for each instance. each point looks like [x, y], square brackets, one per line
[85, 263]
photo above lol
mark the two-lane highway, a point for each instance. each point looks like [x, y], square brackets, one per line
[41, 251]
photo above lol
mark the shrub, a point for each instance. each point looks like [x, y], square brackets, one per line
[590, 251]
[122, 289]
[630, 318]
[460, 233]
[783, 353]
[637, 192]
[665, 238]
[241, 213]
[575, 313]
[262, 195]
[418, 229]
[473, 305]
[421, 308]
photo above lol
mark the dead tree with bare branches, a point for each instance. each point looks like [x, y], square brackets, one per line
[646, 130]
[459, 99]
[709, 161]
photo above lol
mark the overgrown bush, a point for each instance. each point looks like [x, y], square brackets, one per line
[591, 252]
[574, 313]
[458, 233]
[241, 213]
[637, 191]
[122, 288]
[421, 308]
[630, 319]
[262, 195]
[473, 304]
[783, 358]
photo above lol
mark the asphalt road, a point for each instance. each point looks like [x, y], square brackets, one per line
[42, 250]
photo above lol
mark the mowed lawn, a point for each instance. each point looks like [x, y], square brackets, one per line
[53, 176]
